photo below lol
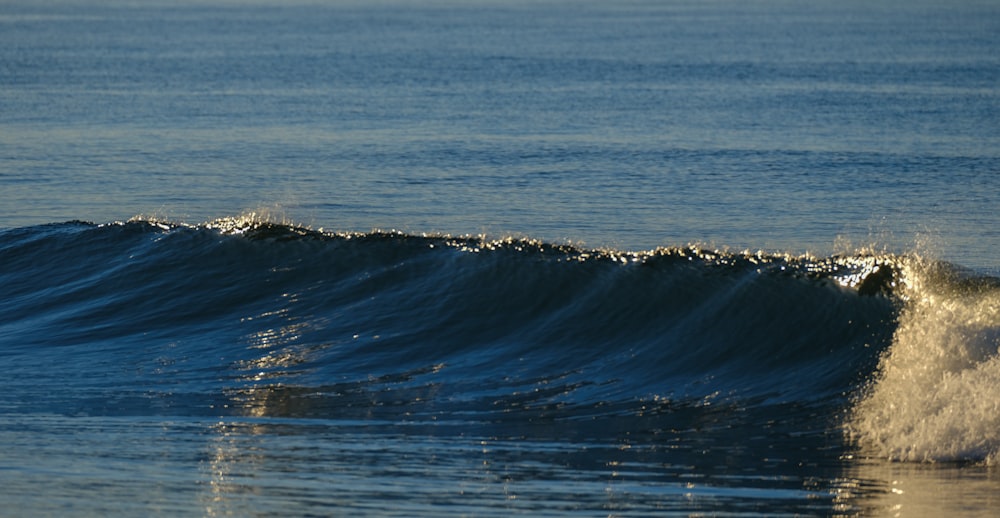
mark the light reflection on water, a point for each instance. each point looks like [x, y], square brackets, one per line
[400, 474]
[265, 467]
[881, 488]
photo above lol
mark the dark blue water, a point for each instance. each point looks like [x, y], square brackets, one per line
[499, 258]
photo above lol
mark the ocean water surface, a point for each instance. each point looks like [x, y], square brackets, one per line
[491, 258]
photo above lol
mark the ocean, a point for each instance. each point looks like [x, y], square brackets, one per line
[492, 258]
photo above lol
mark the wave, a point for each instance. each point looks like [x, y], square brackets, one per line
[251, 317]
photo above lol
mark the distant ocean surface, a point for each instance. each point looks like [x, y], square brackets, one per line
[490, 258]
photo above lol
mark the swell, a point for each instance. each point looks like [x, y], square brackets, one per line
[246, 316]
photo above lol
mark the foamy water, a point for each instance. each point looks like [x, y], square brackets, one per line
[936, 396]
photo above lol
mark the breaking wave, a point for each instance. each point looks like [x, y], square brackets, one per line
[245, 317]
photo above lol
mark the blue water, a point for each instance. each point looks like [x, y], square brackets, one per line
[497, 258]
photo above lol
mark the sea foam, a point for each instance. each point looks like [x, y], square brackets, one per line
[936, 394]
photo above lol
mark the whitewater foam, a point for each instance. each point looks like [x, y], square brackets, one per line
[936, 394]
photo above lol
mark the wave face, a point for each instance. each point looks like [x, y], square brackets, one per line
[241, 317]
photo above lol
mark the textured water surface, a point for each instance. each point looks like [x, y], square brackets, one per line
[499, 258]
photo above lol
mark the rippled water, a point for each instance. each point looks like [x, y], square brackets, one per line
[395, 259]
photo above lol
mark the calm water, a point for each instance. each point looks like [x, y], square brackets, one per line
[201, 361]
[763, 125]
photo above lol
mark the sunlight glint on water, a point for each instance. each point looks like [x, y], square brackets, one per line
[496, 258]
